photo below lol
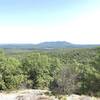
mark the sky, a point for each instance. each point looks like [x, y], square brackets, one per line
[35, 21]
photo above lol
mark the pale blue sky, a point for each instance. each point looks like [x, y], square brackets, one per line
[34, 21]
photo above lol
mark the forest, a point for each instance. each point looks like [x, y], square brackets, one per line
[62, 71]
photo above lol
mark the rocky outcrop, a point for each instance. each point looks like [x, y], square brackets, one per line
[25, 95]
[40, 95]
[32, 97]
[83, 97]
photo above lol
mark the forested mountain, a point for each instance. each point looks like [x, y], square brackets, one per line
[46, 45]
[61, 44]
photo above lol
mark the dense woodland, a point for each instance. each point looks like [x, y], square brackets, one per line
[63, 71]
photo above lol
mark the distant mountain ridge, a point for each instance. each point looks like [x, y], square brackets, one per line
[57, 44]
[46, 45]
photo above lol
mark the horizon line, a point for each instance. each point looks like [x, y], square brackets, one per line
[31, 43]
